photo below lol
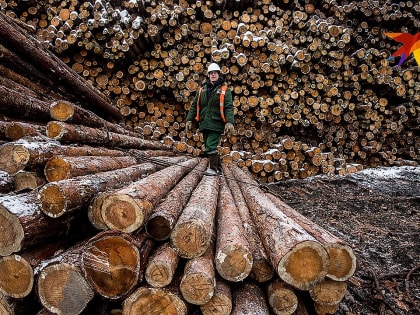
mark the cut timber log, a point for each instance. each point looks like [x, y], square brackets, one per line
[127, 208]
[328, 292]
[17, 155]
[28, 180]
[161, 266]
[28, 48]
[298, 258]
[192, 233]
[65, 167]
[262, 270]
[16, 130]
[155, 301]
[71, 113]
[24, 225]
[198, 281]
[249, 299]
[342, 258]
[113, 263]
[233, 257]
[221, 302]
[6, 182]
[281, 298]
[162, 221]
[72, 194]
[16, 276]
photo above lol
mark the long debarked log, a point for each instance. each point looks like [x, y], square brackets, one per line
[65, 167]
[298, 258]
[233, 257]
[161, 266]
[128, 208]
[221, 302]
[160, 224]
[113, 263]
[27, 47]
[342, 258]
[262, 270]
[17, 155]
[62, 131]
[71, 194]
[192, 233]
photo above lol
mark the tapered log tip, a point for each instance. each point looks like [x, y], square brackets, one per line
[11, 232]
[13, 158]
[153, 301]
[342, 262]
[123, 213]
[190, 239]
[53, 201]
[234, 262]
[305, 265]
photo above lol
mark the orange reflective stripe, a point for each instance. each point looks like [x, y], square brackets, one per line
[197, 116]
[222, 103]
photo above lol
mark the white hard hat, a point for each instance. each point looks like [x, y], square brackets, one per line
[213, 67]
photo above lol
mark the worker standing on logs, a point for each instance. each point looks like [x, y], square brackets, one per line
[212, 108]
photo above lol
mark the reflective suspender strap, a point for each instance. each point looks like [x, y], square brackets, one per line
[197, 116]
[222, 102]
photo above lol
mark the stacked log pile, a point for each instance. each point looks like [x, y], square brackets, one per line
[315, 72]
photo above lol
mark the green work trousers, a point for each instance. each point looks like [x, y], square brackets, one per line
[211, 140]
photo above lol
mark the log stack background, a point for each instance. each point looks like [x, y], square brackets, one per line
[313, 74]
[314, 93]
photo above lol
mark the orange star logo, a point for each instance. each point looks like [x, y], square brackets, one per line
[411, 44]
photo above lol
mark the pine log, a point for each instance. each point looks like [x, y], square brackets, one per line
[16, 130]
[24, 180]
[24, 225]
[298, 258]
[162, 221]
[342, 258]
[328, 292]
[155, 301]
[128, 208]
[16, 40]
[17, 155]
[192, 233]
[66, 111]
[113, 263]
[81, 134]
[281, 298]
[198, 281]
[64, 167]
[262, 270]
[6, 182]
[249, 299]
[161, 266]
[233, 257]
[58, 198]
[221, 302]
[16, 276]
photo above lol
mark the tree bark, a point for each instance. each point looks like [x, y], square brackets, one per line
[192, 233]
[6, 182]
[127, 208]
[342, 258]
[249, 299]
[162, 221]
[262, 270]
[233, 257]
[298, 258]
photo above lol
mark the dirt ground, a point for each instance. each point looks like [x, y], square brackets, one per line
[377, 212]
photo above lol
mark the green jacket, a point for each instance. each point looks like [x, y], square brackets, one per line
[210, 117]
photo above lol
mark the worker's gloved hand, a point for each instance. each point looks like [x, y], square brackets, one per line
[229, 128]
[188, 126]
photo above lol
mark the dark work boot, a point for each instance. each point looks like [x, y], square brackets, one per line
[212, 170]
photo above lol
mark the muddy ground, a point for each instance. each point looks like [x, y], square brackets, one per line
[377, 212]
